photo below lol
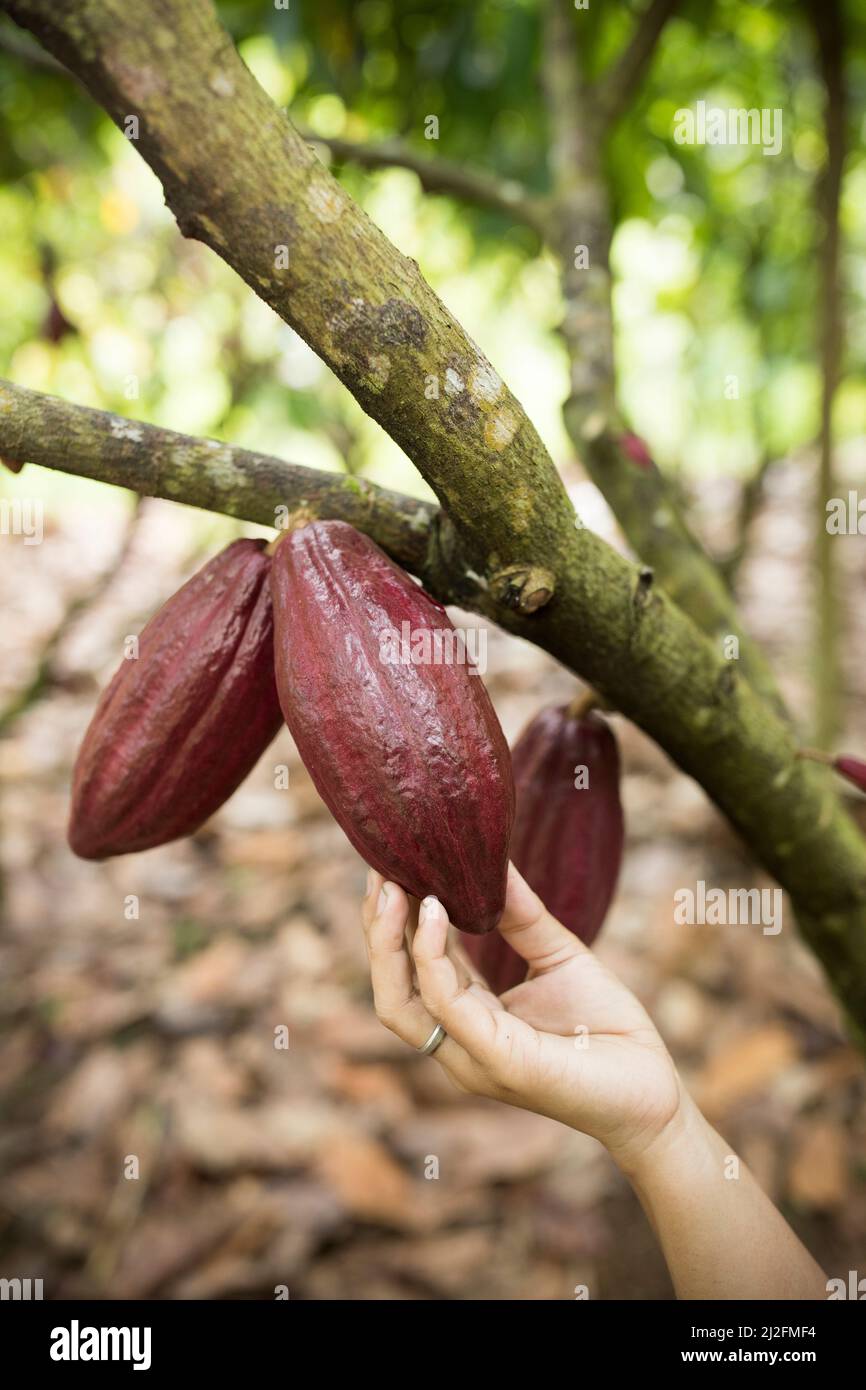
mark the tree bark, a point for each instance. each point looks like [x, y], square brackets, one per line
[35, 428]
[827, 21]
[442, 176]
[618, 463]
[619, 84]
[239, 177]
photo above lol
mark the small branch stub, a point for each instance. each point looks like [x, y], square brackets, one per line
[524, 588]
[643, 587]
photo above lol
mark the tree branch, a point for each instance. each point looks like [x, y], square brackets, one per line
[441, 176]
[622, 80]
[285, 224]
[24, 51]
[826, 17]
[580, 230]
[239, 177]
[621, 466]
[749, 505]
[618, 463]
[35, 428]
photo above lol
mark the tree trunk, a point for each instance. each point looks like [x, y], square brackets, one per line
[827, 20]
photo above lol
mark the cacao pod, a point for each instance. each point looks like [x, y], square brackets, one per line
[853, 769]
[567, 840]
[407, 754]
[499, 963]
[180, 725]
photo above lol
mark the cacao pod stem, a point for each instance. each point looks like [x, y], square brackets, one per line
[852, 769]
[302, 516]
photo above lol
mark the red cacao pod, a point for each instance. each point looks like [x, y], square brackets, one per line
[635, 448]
[408, 755]
[181, 725]
[853, 769]
[567, 840]
[500, 965]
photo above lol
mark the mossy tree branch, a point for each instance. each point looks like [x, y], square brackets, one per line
[238, 176]
[827, 20]
[619, 84]
[153, 462]
[442, 176]
[580, 231]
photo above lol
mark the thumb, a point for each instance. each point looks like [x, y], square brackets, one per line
[532, 931]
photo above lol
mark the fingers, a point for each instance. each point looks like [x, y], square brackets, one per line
[466, 967]
[531, 930]
[375, 883]
[450, 998]
[386, 917]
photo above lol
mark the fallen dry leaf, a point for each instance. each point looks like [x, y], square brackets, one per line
[367, 1180]
[274, 1136]
[744, 1067]
[818, 1170]
[477, 1145]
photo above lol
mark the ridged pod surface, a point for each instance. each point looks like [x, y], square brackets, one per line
[180, 725]
[408, 755]
[567, 840]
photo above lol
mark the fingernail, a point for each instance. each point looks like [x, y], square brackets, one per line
[429, 909]
[383, 898]
[371, 879]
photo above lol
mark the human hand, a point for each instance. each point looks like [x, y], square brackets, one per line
[570, 1042]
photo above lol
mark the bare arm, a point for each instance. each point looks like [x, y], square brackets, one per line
[574, 1044]
[719, 1232]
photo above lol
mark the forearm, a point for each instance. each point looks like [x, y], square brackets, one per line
[720, 1234]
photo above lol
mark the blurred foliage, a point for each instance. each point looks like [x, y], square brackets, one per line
[714, 255]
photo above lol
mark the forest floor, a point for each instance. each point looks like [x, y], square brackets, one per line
[146, 1045]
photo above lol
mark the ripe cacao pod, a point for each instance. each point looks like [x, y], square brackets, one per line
[180, 725]
[407, 754]
[567, 840]
[853, 769]
[498, 962]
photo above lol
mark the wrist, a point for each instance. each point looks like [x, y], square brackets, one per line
[682, 1141]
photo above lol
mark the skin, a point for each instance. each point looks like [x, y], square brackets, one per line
[574, 1044]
